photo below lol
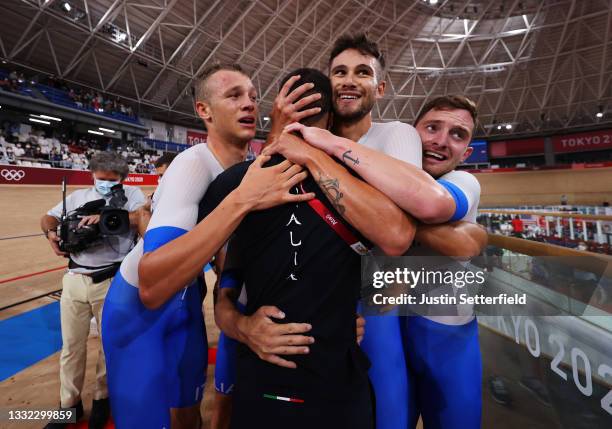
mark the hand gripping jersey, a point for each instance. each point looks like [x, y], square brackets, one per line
[156, 359]
[442, 352]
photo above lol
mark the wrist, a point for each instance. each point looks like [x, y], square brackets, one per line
[339, 146]
[242, 328]
[240, 202]
[312, 156]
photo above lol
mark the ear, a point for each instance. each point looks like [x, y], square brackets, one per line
[380, 89]
[203, 110]
[467, 153]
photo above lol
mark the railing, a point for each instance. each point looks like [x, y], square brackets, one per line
[575, 226]
[165, 146]
[547, 371]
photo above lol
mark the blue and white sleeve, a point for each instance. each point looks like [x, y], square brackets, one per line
[177, 200]
[465, 190]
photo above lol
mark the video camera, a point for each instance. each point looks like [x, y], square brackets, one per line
[113, 221]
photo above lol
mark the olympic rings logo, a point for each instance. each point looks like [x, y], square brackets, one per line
[10, 175]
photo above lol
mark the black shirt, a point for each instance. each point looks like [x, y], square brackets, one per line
[294, 260]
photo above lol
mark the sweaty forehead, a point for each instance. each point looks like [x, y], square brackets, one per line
[224, 80]
[452, 117]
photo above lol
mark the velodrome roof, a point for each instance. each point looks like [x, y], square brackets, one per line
[538, 65]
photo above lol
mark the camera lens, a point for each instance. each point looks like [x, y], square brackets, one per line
[112, 222]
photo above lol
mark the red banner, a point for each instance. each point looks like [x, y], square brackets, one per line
[194, 137]
[581, 142]
[542, 167]
[20, 175]
[508, 148]
[256, 146]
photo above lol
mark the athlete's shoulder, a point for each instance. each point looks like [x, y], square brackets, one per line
[393, 126]
[463, 179]
[192, 167]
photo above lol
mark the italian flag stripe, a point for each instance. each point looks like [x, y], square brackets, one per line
[282, 398]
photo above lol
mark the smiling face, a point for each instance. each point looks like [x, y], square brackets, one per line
[446, 135]
[356, 84]
[229, 106]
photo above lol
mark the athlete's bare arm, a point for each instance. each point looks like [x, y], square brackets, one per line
[166, 270]
[367, 209]
[460, 240]
[413, 189]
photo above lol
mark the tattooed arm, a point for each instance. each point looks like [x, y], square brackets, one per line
[365, 208]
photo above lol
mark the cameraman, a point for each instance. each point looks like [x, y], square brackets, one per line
[85, 284]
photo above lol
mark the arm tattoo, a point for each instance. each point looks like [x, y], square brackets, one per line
[346, 156]
[331, 187]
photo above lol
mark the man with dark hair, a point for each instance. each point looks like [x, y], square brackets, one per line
[313, 278]
[322, 86]
[360, 43]
[368, 148]
[153, 328]
[438, 194]
[162, 163]
[87, 281]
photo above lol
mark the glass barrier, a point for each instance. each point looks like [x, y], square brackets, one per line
[548, 371]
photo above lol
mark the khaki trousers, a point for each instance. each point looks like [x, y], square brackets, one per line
[81, 299]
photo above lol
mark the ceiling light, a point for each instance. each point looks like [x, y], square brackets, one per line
[67, 6]
[51, 118]
[106, 129]
[266, 118]
[508, 126]
[433, 2]
[499, 127]
[40, 121]
[599, 114]
[95, 132]
[119, 36]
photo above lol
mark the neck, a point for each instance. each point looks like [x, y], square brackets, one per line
[353, 130]
[227, 151]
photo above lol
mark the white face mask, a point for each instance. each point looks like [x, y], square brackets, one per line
[104, 186]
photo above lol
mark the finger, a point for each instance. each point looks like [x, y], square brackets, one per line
[306, 113]
[270, 150]
[300, 104]
[289, 350]
[294, 126]
[290, 328]
[283, 166]
[298, 198]
[82, 222]
[297, 92]
[295, 179]
[360, 321]
[277, 360]
[272, 311]
[261, 160]
[287, 86]
[292, 340]
[292, 171]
